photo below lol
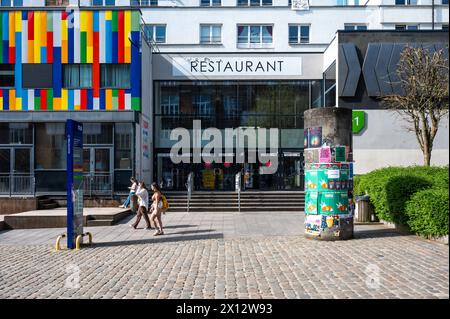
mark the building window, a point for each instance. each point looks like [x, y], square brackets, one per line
[7, 75]
[77, 76]
[403, 27]
[50, 146]
[444, 1]
[359, 27]
[405, 2]
[254, 36]
[445, 27]
[155, 32]
[115, 76]
[145, 3]
[210, 3]
[37, 76]
[298, 34]
[210, 33]
[7, 3]
[97, 133]
[253, 3]
[56, 3]
[16, 133]
[123, 145]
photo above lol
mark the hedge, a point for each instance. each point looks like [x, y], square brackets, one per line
[390, 188]
[427, 212]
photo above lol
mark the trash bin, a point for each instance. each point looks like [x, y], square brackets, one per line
[134, 203]
[363, 209]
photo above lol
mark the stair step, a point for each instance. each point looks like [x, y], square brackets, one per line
[99, 222]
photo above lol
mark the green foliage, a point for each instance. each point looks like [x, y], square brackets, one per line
[390, 188]
[428, 211]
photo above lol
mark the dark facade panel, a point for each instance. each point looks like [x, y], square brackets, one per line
[381, 68]
[370, 77]
[347, 53]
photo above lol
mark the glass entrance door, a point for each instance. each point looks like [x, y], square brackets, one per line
[16, 168]
[292, 171]
[97, 168]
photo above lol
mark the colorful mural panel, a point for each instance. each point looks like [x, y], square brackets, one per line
[67, 37]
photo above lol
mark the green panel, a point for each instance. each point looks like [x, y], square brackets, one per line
[50, 99]
[115, 100]
[311, 180]
[49, 21]
[311, 206]
[83, 46]
[115, 21]
[136, 103]
[37, 103]
[135, 20]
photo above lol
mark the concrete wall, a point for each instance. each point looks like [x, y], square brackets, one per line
[17, 205]
[386, 142]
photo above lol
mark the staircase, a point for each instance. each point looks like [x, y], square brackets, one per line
[46, 203]
[261, 201]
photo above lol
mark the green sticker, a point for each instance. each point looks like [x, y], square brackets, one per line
[358, 121]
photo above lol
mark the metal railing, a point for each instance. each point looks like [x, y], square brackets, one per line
[17, 184]
[98, 184]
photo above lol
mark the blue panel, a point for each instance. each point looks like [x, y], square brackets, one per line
[25, 15]
[18, 65]
[18, 3]
[6, 3]
[5, 51]
[90, 99]
[57, 72]
[135, 66]
[98, 2]
[70, 41]
[25, 101]
[110, 2]
[108, 42]
[43, 54]
[5, 100]
[102, 99]
[70, 100]
[96, 21]
[115, 47]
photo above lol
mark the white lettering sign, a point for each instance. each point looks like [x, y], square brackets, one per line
[300, 4]
[226, 66]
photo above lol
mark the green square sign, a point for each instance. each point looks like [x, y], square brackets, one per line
[358, 121]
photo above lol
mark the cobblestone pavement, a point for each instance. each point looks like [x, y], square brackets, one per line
[378, 263]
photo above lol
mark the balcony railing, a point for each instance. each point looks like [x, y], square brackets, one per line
[17, 185]
[98, 184]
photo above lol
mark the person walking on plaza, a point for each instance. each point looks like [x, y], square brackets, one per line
[157, 209]
[132, 192]
[142, 194]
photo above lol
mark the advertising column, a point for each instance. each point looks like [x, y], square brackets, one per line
[74, 132]
[328, 157]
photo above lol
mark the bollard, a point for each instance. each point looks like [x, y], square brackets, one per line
[80, 237]
[58, 242]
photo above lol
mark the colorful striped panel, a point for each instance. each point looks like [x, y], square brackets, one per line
[60, 37]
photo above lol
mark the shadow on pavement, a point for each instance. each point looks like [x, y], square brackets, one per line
[377, 233]
[157, 239]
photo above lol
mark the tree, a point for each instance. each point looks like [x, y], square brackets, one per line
[423, 102]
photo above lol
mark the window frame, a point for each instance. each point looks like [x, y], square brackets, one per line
[249, 3]
[405, 3]
[210, 26]
[79, 87]
[154, 26]
[49, 3]
[50, 66]
[113, 87]
[355, 26]
[254, 45]
[9, 72]
[299, 26]
[210, 3]
[407, 27]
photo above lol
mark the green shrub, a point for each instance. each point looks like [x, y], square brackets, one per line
[428, 212]
[390, 188]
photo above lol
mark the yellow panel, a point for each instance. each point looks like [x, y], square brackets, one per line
[12, 34]
[1, 103]
[18, 104]
[83, 21]
[108, 99]
[64, 30]
[108, 15]
[37, 37]
[64, 99]
[18, 21]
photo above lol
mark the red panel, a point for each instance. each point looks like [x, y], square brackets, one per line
[121, 42]
[64, 15]
[121, 97]
[43, 99]
[96, 66]
[83, 94]
[30, 25]
[12, 55]
[49, 47]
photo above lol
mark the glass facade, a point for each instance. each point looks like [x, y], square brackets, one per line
[233, 104]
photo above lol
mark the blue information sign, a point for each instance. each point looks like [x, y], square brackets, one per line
[74, 132]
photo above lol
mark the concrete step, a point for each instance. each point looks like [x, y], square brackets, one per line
[48, 206]
[235, 209]
[99, 222]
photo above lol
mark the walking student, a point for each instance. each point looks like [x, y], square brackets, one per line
[157, 209]
[142, 194]
[132, 189]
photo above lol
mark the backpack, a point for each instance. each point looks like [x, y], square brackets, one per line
[165, 203]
